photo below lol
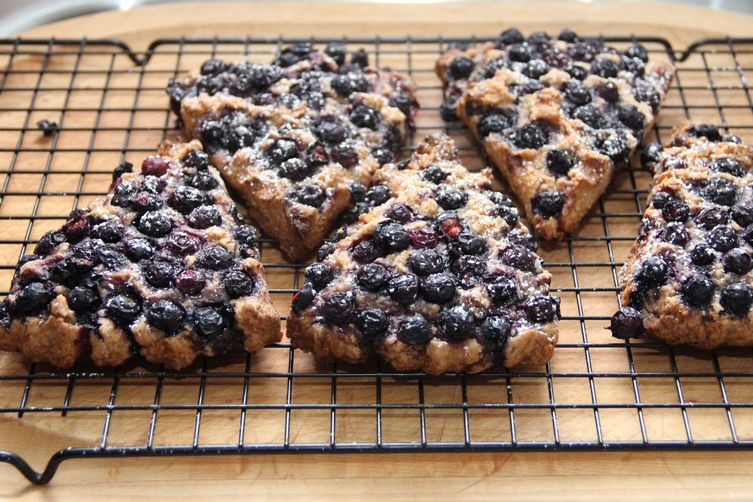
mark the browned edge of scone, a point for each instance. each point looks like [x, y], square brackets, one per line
[530, 345]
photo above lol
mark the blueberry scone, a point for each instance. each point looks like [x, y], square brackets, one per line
[556, 116]
[296, 138]
[688, 278]
[161, 266]
[442, 277]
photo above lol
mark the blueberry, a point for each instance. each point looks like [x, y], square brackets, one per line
[568, 35]
[423, 237]
[536, 69]
[372, 277]
[576, 71]
[519, 53]
[493, 66]
[502, 289]
[123, 309]
[77, 226]
[360, 58]
[626, 323]
[605, 68]
[541, 309]
[425, 261]
[577, 93]
[48, 242]
[316, 155]
[346, 157]
[366, 251]
[591, 117]
[438, 288]
[495, 122]
[747, 235]
[319, 275]
[204, 217]
[294, 169]
[339, 307]
[403, 288]
[470, 243]
[215, 257]
[708, 131]
[632, 117]
[531, 135]
[660, 199]
[414, 330]
[303, 298]
[197, 159]
[742, 213]
[82, 299]
[110, 258]
[155, 224]
[511, 36]
[434, 174]
[212, 67]
[548, 204]
[702, 255]
[293, 54]
[282, 150]
[33, 298]
[166, 315]
[372, 322]
[637, 51]
[208, 322]
[237, 283]
[48, 128]
[614, 145]
[331, 132]
[364, 116]
[653, 272]
[448, 111]
[160, 274]
[342, 85]
[722, 238]
[711, 217]
[336, 51]
[68, 270]
[496, 330]
[108, 231]
[520, 258]
[456, 323]
[152, 185]
[190, 282]
[451, 198]
[392, 236]
[675, 233]
[399, 212]
[698, 291]
[559, 161]
[738, 261]
[179, 243]
[609, 92]
[309, 195]
[378, 195]
[461, 67]
[143, 202]
[154, 166]
[737, 299]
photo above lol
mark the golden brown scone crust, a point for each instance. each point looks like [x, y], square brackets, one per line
[543, 101]
[530, 340]
[685, 172]
[59, 335]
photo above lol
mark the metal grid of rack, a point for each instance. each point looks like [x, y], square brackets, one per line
[597, 392]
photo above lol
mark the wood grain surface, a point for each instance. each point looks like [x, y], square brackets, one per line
[437, 476]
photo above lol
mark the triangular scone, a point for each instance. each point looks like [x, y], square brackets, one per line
[556, 116]
[689, 276]
[162, 266]
[442, 277]
[299, 142]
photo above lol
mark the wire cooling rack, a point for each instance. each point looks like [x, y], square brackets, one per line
[597, 392]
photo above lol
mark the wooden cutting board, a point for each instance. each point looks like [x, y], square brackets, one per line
[478, 476]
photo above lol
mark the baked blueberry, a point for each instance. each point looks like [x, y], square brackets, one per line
[32, 298]
[438, 288]
[208, 322]
[77, 227]
[461, 67]
[675, 210]
[108, 231]
[536, 69]
[626, 323]
[511, 36]
[309, 195]
[204, 217]
[372, 277]
[653, 272]
[166, 315]
[282, 150]
[722, 238]
[576, 71]
[403, 288]
[709, 131]
[180, 243]
[495, 122]
[660, 199]
[433, 174]
[294, 169]
[331, 132]
[319, 275]
[190, 282]
[155, 224]
[364, 116]
[48, 242]
[559, 161]
[502, 289]
[123, 309]
[69, 270]
[577, 93]
[675, 233]
[372, 322]
[632, 117]
[392, 236]
[591, 117]
[541, 309]
[456, 323]
[469, 243]
[366, 251]
[711, 217]
[237, 283]
[425, 262]
[82, 299]
[339, 307]
[414, 330]
[345, 156]
[604, 67]
[698, 291]
[720, 191]
[447, 110]
[568, 35]
[702, 255]
[402, 213]
[728, 165]
[737, 299]
[215, 257]
[609, 92]
[738, 261]
[742, 213]
[548, 204]
[160, 274]
[451, 198]
[519, 53]
[520, 258]
[197, 159]
[423, 237]
[531, 135]
[496, 330]
[377, 195]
